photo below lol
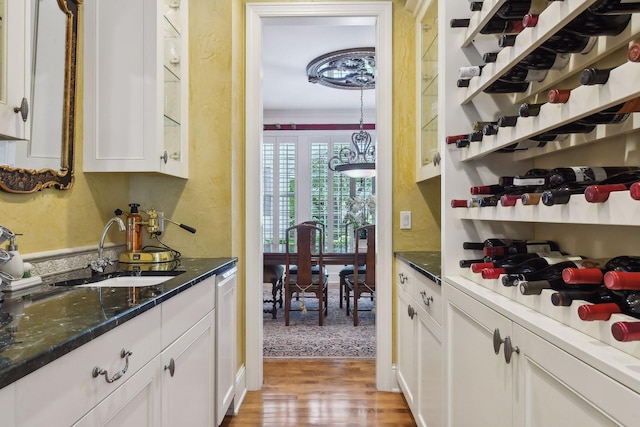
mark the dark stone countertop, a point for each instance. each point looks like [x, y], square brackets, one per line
[427, 263]
[54, 320]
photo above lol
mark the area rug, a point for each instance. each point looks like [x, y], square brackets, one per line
[337, 338]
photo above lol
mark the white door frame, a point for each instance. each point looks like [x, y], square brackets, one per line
[255, 12]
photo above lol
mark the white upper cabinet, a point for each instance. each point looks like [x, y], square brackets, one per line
[15, 67]
[135, 87]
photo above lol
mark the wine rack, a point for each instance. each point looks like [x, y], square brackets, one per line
[598, 230]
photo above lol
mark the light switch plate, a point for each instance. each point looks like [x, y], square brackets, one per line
[405, 220]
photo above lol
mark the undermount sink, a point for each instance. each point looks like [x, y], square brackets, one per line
[127, 282]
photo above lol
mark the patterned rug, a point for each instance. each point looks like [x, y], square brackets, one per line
[337, 338]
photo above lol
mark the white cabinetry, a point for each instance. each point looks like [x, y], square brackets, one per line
[226, 341]
[419, 366]
[160, 366]
[541, 384]
[565, 367]
[8, 405]
[136, 86]
[15, 77]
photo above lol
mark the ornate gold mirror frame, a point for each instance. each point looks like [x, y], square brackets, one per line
[19, 180]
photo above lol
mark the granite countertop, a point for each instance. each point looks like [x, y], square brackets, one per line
[41, 326]
[426, 262]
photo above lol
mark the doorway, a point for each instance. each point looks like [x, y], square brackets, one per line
[255, 14]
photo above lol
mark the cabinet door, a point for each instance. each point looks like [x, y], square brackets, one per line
[429, 372]
[479, 385]
[557, 389]
[136, 403]
[226, 338]
[15, 37]
[406, 372]
[188, 377]
[8, 405]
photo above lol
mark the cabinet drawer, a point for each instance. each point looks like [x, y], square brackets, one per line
[428, 295]
[185, 309]
[65, 390]
[404, 276]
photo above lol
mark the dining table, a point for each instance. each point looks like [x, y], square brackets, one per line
[328, 258]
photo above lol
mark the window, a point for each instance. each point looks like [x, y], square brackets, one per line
[298, 186]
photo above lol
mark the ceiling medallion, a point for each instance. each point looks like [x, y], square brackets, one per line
[344, 69]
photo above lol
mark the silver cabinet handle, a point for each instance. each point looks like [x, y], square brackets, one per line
[410, 311]
[426, 300]
[23, 109]
[165, 157]
[99, 371]
[171, 367]
[403, 278]
[509, 349]
[497, 341]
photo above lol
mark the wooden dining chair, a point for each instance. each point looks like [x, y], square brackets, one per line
[306, 241]
[359, 283]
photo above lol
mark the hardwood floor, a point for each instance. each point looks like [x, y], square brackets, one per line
[321, 392]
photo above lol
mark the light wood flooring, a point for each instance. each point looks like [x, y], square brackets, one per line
[321, 392]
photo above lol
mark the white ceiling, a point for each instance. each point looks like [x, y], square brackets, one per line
[289, 44]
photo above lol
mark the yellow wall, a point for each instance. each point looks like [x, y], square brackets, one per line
[212, 199]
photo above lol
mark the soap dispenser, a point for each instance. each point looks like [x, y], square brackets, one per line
[15, 266]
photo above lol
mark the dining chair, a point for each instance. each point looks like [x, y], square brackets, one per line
[273, 274]
[360, 283]
[309, 277]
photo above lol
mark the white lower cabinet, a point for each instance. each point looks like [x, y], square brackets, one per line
[541, 385]
[161, 368]
[135, 403]
[8, 405]
[188, 377]
[226, 300]
[419, 364]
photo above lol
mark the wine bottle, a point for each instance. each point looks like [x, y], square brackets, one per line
[599, 193]
[467, 263]
[562, 194]
[589, 23]
[622, 280]
[561, 42]
[451, 139]
[626, 331]
[634, 52]
[463, 82]
[545, 59]
[522, 145]
[634, 191]
[615, 7]
[491, 129]
[515, 10]
[588, 174]
[492, 251]
[470, 71]
[496, 25]
[621, 302]
[554, 271]
[558, 96]
[595, 275]
[565, 298]
[501, 86]
[530, 199]
[595, 76]
[509, 261]
[475, 6]
[530, 265]
[529, 109]
[478, 125]
[476, 246]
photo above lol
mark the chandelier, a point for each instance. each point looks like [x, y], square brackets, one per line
[349, 69]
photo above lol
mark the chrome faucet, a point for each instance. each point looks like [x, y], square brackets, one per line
[99, 264]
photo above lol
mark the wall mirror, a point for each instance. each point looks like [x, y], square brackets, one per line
[46, 160]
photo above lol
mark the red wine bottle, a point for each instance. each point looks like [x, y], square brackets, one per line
[615, 7]
[554, 271]
[622, 280]
[586, 174]
[558, 96]
[621, 302]
[562, 194]
[589, 23]
[599, 193]
[595, 275]
[626, 331]
[530, 265]
[634, 52]
[451, 139]
[515, 10]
